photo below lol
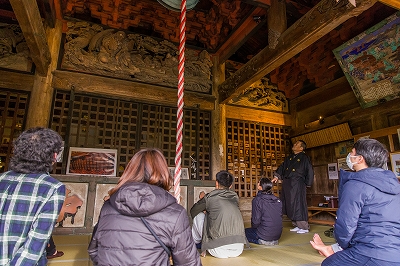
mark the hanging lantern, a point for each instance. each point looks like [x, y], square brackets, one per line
[175, 5]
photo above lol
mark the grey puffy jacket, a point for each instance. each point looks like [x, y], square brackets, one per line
[122, 239]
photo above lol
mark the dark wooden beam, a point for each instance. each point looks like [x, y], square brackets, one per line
[248, 28]
[84, 83]
[28, 16]
[15, 80]
[47, 9]
[277, 22]
[323, 18]
[261, 3]
[7, 14]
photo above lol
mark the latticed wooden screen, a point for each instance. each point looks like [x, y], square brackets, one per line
[97, 122]
[13, 107]
[254, 150]
[204, 144]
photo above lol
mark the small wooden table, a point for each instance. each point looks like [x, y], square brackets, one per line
[313, 211]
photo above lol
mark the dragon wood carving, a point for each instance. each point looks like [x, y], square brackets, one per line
[91, 49]
[14, 52]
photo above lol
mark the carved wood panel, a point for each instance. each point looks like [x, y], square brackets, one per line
[92, 49]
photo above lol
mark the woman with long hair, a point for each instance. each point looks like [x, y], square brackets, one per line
[122, 237]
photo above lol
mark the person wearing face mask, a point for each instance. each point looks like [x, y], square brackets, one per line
[296, 173]
[367, 226]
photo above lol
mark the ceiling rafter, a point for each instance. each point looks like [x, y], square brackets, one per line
[28, 16]
[320, 20]
[239, 36]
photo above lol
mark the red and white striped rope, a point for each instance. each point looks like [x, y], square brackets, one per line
[179, 118]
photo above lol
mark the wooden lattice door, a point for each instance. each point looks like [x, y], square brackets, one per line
[13, 107]
[96, 122]
[254, 150]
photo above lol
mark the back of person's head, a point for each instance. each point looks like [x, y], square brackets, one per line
[224, 179]
[266, 185]
[34, 149]
[375, 153]
[146, 166]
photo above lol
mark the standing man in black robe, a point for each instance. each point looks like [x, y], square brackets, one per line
[296, 173]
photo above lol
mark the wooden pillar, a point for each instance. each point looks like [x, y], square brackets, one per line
[276, 21]
[42, 91]
[218, 122]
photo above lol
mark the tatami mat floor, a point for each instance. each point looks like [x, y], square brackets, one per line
[293, 249]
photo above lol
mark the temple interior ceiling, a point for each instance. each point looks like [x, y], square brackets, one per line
[210, 25]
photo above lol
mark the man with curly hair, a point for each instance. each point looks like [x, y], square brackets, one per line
[30, 199]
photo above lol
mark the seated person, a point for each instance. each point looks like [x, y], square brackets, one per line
[198, 223]
[266, 216]
[366, 228]
[223, 230]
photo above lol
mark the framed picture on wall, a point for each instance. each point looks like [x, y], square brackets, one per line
[184, 173]
[101, 197]
[88, 161]
[333, 171]
[367, 62]
[73, 212]
[395, 161]
[184, 195]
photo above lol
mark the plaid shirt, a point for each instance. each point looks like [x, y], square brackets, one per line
[29, 207]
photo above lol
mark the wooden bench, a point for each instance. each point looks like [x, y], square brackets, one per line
[315, 211]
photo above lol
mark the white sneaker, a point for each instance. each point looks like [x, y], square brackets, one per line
[302, 231]
[295, 229]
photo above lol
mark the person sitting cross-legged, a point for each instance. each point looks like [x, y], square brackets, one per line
[323, 249]
[367, 227]
[223, 230]
[266, 216]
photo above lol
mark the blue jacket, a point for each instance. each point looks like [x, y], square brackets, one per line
[368, 218]
[266, 216]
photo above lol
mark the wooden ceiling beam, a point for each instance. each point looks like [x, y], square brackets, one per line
[7, 14]
[392, 3]
[48, 11]
[28, 16]
[248, 28]
[320, 20]
[261, 3]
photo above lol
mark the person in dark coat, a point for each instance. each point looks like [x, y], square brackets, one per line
[266, 216]
[296, 173]
[122, 238]
[367, 227]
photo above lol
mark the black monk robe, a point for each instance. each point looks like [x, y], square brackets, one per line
[296, 173]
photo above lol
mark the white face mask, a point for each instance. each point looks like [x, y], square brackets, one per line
[349, 163]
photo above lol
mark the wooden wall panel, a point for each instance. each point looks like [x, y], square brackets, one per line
[255, 115]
